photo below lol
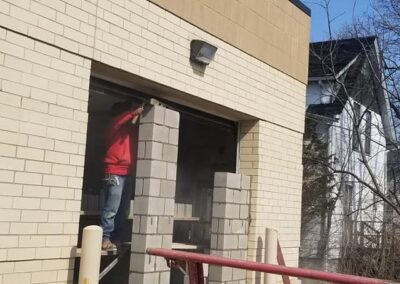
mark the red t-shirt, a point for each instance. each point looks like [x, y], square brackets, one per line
[118, 158]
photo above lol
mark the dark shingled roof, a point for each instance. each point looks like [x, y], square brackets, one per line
[343, 52]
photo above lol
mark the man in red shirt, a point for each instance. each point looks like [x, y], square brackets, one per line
[118, 163]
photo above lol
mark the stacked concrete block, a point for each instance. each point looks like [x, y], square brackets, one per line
[230, 221]
[153, 212]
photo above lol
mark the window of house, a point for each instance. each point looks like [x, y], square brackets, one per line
[356, 120]
[368, 126]
[348, 196]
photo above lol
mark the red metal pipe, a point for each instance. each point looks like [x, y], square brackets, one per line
[263, 267]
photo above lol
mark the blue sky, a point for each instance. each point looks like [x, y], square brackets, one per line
[342, 9]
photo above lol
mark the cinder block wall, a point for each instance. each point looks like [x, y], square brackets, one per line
[230, 225]
[45, 52]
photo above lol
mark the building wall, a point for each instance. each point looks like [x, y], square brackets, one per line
[46, 52]
[275, 32]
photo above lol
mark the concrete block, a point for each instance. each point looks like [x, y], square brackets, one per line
[173, 137]
[151, 187]
[171, 171]
[167, 241]
[169, 209]
[223, 194]
[225, 179]
[138, 186]
[243, 242]
[141, 242]
[141, 150]
[160, 133]
[170, 153]
[214, 225]
[238, 274]
[165, 225]
[218, 273]
[146, 132]
[164, 277]
[144, 277]
[143, 262]
[214, 241]
[136, 224]
[151, 169]
[218, 210]
[240, 196]
[245, 182]
[225, 226]
[238, 226]
[233, 180]
[153, 114]
[228, 242]
[171, 118]
[244, 212]
[148, 224]
[168, 188]
[154, 151]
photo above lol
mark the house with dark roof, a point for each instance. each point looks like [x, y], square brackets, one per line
[348, 107]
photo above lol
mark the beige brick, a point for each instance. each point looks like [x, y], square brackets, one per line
[23, 228]
[58, 134]
[34, 216]
[38, 167]
[26, 203]
[6, 267]
[53, 180]
[7, 150]
[31, 128]
[60, 111]
[31, 241]
[28, 178]
[8, 242]
[6, 176]
[52, 204]
[43, 95]
[20, 278]
[11, 163]
[10, 99]
[47, 49]
[67, 147]
[10, 189]
[50, 229]
[75, 182]
[28, 266]
[17, 64]
[62, 217]
[44, 253]
[40, 142]
[30, 153]
[35, 191]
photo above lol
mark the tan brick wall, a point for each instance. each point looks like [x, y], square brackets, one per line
[42, 114]
[274, 31]
[44, 72]
[272, 155]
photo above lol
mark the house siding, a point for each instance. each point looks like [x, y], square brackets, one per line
[46, 53]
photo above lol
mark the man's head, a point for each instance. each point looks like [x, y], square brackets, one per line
[120, 107]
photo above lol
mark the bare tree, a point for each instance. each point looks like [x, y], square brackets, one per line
[376, 76]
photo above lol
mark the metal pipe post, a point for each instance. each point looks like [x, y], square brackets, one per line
[91, 255]
[271, 253]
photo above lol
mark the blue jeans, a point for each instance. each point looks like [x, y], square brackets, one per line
[118, 193]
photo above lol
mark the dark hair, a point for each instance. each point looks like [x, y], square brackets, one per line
[120, 107]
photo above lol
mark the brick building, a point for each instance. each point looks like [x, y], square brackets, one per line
[239, 119]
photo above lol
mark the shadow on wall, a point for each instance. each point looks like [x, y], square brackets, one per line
[259, 254]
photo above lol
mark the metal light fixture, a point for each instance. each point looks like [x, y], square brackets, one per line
[202, 52]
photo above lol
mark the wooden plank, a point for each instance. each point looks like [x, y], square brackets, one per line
[281, 261]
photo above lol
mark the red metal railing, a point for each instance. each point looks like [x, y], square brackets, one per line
[192, 263]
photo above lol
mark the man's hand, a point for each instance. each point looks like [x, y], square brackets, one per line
[138, 111]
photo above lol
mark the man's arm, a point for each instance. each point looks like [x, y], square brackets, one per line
[126, 116]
